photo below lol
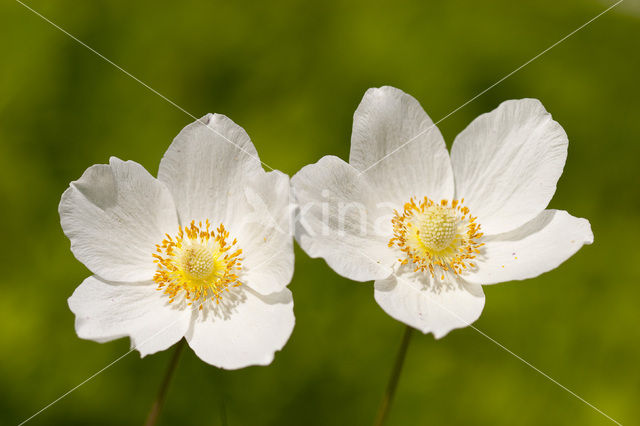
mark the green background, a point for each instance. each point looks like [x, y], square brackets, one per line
[292, 74]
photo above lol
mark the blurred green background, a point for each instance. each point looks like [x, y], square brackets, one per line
[292, 73]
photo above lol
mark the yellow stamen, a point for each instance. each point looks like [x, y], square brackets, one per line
[197, 263]
[436, 236]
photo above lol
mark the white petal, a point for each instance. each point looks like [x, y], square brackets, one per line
[208, 163]
[340, 220]
[114, 216]
[536, 247]
[106, 311]
[413, 299]
[247, 330]
[399, 149]
[506, 164]
[265, 233]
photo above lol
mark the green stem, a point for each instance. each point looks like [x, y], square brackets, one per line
[223, 411]
[152, 418]
[385, 406]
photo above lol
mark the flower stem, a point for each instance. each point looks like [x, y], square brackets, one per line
[152, 418]
[385, 406]
[223, 411]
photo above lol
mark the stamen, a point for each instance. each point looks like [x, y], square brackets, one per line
[437, 237]
[198, 263]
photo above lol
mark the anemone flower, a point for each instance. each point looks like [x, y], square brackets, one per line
[432, 228]
[202, 252]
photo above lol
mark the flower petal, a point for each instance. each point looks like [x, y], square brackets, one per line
[114, 216]
[413, 299]
[507, 162]
[398, 148]
[265, 233]
[206, 164]
[246, 331]
[106, 311]
[340, 220]
[536, 247]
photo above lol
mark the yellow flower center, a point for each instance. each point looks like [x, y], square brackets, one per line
[198, 263]
[436, 237]
[438, 227]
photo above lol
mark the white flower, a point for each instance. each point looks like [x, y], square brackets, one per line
[183, 255]
[430, 228]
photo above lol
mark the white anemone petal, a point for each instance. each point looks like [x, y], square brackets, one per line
[416, 300]
[398, 148]
[539, 246]
[507, 162]
[106, 311]
[342, 220]
[247, 330]
[206, 168]
[114, 215]
[265, 233]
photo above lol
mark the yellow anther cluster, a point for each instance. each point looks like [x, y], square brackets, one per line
[437, 237]
[198, 263]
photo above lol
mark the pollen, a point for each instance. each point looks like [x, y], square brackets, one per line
[199, 264]
[436, 237]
